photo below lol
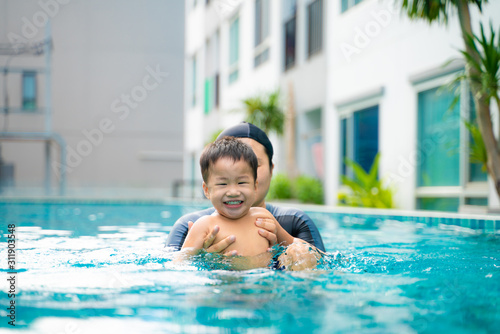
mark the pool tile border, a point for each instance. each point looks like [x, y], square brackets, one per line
[488, 224]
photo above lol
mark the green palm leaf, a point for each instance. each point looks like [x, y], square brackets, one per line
[434, 10]
[477, 150]
[265, 112]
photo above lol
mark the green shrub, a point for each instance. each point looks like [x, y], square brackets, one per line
[365, 188]
[308, 190]
[280, 188]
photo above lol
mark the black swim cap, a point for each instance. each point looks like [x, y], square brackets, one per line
[248, 130]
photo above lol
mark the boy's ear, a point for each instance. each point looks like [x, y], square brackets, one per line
[255, 184]
[205, 190]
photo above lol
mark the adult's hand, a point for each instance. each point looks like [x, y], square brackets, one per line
[221, 246]
[268, 230]
[300, 256]
[272, 230]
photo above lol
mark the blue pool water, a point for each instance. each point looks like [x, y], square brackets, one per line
[102, 268]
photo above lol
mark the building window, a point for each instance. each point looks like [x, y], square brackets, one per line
[211, 90]
[346, 4]
[359, 141]
[309, 143]
[314, 27]
[438, 135]
[217, 89]
[476, 172]
[483, 201]
[193, 81]
[444, 166]
[290, 31]
[290, 27]
[234, 30]
[262, 57]
[261, 21]
[209, 94]
[261, 31]
[438, 203]
[29, 91]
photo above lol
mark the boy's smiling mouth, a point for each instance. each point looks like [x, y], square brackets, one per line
[233, 203]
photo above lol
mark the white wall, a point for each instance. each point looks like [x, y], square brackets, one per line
[251, 81]
[102, 52]
[386, 51]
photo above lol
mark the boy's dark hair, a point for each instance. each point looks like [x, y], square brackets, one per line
[227, 147]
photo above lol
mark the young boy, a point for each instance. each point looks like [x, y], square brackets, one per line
[229, 170]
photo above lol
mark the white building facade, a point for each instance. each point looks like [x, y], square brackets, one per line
[113, 99]
[365, 80]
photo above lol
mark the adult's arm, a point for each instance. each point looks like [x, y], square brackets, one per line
[180, 229]
[298, 224]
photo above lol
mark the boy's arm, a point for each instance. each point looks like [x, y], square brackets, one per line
[198, 233]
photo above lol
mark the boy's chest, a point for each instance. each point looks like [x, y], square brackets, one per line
[240, 228]
[248, 240]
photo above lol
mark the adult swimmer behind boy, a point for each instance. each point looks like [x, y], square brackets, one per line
[294, 227]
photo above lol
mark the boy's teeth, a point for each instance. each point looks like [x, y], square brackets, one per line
[233, 202]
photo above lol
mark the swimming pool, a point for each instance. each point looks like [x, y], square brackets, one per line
[101, 267]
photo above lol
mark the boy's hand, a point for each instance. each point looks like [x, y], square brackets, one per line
[268, 230]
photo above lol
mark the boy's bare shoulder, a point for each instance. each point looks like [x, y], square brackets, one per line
[204, 221]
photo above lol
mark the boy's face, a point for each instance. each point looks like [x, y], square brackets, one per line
[231, 187]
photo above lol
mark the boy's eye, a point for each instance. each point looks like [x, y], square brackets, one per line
[220, 184]
[243, 182]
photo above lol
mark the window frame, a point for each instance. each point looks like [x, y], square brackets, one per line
[466, 189]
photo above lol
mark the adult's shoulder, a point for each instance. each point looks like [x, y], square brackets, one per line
[259, 211]
[203, 223]
[194, 216]
[297, 223]
[278, 211]
[179, 231]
